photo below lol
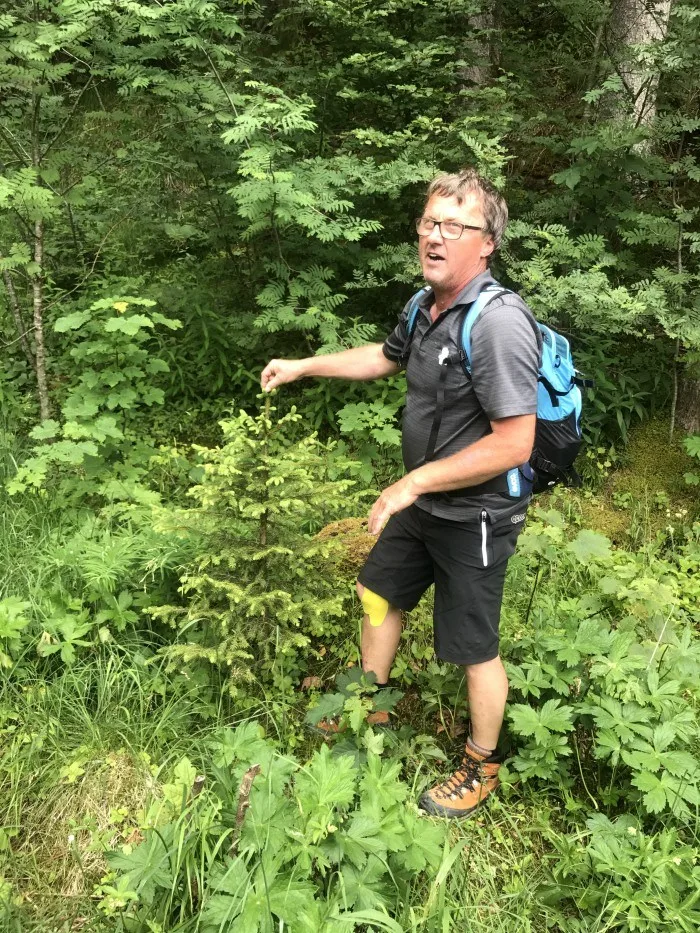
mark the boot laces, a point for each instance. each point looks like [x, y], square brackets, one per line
[464, 779]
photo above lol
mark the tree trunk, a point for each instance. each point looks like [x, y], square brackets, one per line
[478, 48]
[18, 319]
[633, 25]
[38, 279]
[688, 407]
[39, 349]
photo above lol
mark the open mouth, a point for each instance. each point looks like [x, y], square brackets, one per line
[435, 257]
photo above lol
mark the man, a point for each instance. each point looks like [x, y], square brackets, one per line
[454, 518]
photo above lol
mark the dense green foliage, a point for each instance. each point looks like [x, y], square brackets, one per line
[189, 188]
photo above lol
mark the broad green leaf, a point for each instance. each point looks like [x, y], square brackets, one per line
[46, 430]
[386, 699]
[373, 741]
[380, 785]
[13, 618]
[72, 321]
[326, 781]
[362, 837]
[245, 744]
[366, 887]
[124, 397]
[589, 545]
[425, 840]
[149, 865]
[177, 791]
[550, 517]
[524, 718]
[84, 407]
[653, 788]
[551, 717]
[329, 706]
[128, 325]
[356, 709]
[570, 176]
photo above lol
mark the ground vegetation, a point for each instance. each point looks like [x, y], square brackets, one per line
[190, 188]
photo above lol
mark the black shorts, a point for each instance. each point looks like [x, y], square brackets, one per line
[466, 560]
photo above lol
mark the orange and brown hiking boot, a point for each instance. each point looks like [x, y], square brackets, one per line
[465, 791]
[327, 727]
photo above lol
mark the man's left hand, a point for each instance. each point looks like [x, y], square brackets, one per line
[394, 499]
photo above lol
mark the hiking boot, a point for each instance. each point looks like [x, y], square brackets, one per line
[465, 791]
[328, 727]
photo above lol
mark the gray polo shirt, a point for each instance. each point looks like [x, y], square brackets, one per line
[505, 355]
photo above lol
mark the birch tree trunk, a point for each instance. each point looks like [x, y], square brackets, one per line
[479, 51]
[635, 25]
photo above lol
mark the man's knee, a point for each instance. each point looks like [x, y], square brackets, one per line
[482, 667]
[376, 607]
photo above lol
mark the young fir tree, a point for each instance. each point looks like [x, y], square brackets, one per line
[256, 592]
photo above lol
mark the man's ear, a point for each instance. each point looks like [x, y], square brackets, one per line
[487, 247]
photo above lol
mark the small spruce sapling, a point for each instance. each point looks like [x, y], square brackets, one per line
[259, 590]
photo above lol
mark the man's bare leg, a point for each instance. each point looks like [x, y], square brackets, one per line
[477, 776]
[487, 689]
[380, 642]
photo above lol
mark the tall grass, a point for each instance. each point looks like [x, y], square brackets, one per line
[79, 759]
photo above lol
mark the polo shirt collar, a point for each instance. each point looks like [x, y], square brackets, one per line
[469, 293]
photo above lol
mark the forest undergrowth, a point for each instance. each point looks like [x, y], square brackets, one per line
[189, 189]
[165, 778]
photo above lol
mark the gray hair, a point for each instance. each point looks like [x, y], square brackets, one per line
[468, 181]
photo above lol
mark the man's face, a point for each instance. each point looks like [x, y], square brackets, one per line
[449, 264]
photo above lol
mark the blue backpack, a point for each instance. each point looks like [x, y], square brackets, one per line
[559, 403]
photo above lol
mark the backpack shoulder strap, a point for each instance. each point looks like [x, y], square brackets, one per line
[414, 308]
[470, 318]
[411, 321]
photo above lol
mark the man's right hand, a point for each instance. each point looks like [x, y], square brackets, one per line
[277, 372]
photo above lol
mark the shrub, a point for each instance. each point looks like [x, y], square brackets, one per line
[258, 590]
[324, 844]
[609, 655]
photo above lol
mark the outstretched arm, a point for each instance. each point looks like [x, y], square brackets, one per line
[360, 363]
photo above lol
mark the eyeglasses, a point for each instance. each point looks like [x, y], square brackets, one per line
[449, 229]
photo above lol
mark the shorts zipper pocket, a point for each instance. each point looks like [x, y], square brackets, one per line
[484, 549]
